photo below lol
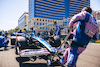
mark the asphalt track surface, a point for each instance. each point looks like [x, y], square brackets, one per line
[89, 58]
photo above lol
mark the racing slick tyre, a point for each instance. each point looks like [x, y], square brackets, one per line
[17, 50]
[57, 41]
[48, 62]
[22, 42]
[13, 40]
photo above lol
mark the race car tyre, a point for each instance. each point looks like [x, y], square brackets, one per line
[17, 50]
[22, 41]
[48, 62]
[57, 41]
[13, 40]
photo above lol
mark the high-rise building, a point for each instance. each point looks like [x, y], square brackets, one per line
[23, 21]
[75, 6]
[53, 10]
[50, 9]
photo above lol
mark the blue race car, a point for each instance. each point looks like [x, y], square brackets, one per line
[35, 46]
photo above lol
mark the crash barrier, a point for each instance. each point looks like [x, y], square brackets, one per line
[98, 41]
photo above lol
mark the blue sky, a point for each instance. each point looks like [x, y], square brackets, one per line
[11, 10]
[95, 4]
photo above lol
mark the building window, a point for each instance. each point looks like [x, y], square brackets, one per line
[63, 25]
[50, 24]
[53, 28]
[46, 24]
[40, 23]
[46, 28]
[43, 23]
[37, 23]
[32, 23]
[37, 19]
[43, 27]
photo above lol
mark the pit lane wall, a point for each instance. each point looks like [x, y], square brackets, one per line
[98, 41]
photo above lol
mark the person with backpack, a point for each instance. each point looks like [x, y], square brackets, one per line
[87, 29]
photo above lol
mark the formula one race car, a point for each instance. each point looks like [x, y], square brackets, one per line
[35, 46]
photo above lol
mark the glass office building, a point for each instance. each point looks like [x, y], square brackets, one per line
[75, 6]
[55, 9]
[52, 10]
[23, 20]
